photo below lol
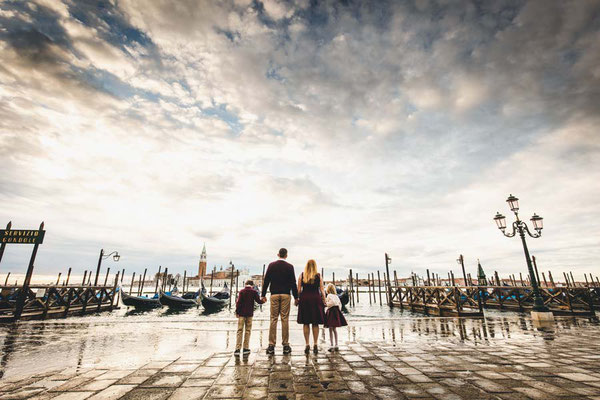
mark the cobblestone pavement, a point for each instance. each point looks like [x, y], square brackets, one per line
[541, 366]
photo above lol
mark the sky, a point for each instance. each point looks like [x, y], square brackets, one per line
[339, 130]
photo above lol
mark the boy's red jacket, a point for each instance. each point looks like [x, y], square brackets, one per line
[244, 306]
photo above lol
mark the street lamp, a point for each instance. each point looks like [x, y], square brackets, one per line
[116, 258]
[521, 227]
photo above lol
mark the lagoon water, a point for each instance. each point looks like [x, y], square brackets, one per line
[128, 338]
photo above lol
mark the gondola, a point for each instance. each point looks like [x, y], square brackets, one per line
[140, 302]
[343, 295]
[189, 300]
[216, 301]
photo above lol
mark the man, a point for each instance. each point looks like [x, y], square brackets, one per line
[280, 276]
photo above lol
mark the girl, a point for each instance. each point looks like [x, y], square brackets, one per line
[333, 315]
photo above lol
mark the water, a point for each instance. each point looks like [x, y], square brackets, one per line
[125, 338]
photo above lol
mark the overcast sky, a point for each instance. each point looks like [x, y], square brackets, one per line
[340, 131]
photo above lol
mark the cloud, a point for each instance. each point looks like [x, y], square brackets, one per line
[341, 129]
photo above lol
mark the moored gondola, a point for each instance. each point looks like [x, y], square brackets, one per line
[140, 302]
[216, 301]
[177, 302]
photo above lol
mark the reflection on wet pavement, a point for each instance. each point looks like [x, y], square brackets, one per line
[129, 339]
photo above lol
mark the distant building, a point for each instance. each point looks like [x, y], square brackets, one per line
[202, 263]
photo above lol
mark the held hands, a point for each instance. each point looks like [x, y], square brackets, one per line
[296, 302]
[263, 299]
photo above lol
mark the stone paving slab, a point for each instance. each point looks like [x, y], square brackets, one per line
[565, 366]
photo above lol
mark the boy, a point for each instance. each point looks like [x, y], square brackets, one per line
[244, 310]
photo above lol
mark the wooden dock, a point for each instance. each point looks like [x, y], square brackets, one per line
[472, 300]
[50, 301]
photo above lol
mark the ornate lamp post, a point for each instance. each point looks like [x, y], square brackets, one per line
[540, 311]
[116, 258]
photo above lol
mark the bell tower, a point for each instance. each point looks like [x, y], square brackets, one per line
[202, 264]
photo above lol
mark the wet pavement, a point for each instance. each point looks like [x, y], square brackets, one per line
[383, 354]
[561, 363]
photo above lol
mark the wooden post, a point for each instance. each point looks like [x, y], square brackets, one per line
[84, 277]
[379, 284]
[6, 280]
[357, 286]
[462, 264]
[498, 282]
[566, 279]
[143, 281]
[572, 279]
[25, 289]
[387, 279]
[106, 277]
[262, 280]
[132, 280]
[551, 279]
[3, 245]
[537, 275]
[521, 277]
[429, 278]
[333, 277]
[544, 276]
[237, 279]
[58, 279]
[231, 286]
[165, 280]
[69, 300]
[98, 268]
[114, 292]
[387, 270]
[351, 287]
[68, 277]
[157, 279]
[452, 276]
[369, 281]
[396, 279]
[212, 276]
[184, 276]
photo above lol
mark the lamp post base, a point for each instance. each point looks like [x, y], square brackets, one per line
[542, 316]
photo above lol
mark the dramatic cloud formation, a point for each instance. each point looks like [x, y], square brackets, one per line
[340, 130]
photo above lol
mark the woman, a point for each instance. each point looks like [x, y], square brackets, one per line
[311, 303]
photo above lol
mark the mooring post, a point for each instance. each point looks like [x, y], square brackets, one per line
[387, 270]
[572, 279]
[369, 287]
[157, 279]
[106, 277]
[429, 278]
[114, 292]
[143, 281]
[262, 280]
[231, 285]
[25, 289]
[6, 280]
[3, 245]
[395, 279]
[84, 278]
[357, 286]
[237, 278]
[452, 276]
[544, 276]
[551, 278]
[68, 277]
[165, 280]
[379, 284]
[132, 280]
[521, 278]
[98, 267]
[333, 277]
[535, 268]
[387, 279]
[498, 283]
[212, 276]
[350, 287]
[461, 260]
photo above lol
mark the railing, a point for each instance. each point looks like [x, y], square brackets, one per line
[50, 301]
[471, 300]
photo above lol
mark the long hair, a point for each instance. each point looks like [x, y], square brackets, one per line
[310, 272]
